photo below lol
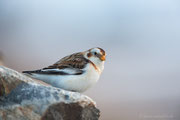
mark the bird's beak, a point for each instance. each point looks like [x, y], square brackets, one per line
[103, 58]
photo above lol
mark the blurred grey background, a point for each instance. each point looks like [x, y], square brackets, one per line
[141, 80]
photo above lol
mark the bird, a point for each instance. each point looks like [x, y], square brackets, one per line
[76, 72]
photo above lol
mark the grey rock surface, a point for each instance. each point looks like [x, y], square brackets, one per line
[23, 98]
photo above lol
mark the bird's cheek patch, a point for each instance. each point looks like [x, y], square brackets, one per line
[89, 55]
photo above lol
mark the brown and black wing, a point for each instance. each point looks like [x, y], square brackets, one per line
[69, 65]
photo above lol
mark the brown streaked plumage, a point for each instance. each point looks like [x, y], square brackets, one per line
[75, 60]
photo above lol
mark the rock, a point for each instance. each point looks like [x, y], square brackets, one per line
[23, 98]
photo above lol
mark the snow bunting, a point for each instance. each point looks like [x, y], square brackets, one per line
[76, 72]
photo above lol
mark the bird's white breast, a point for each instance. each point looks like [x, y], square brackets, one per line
[77, 83]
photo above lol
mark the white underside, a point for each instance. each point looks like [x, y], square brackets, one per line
[77, 83]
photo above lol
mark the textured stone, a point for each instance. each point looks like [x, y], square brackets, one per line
[23, 98]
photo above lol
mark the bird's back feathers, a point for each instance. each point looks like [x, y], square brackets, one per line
[69, 65]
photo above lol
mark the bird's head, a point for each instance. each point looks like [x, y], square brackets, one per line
[96, 55]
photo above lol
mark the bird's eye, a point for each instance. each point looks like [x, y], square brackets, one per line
[95, 53]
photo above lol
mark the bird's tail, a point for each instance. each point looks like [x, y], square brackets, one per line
[27, 72]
